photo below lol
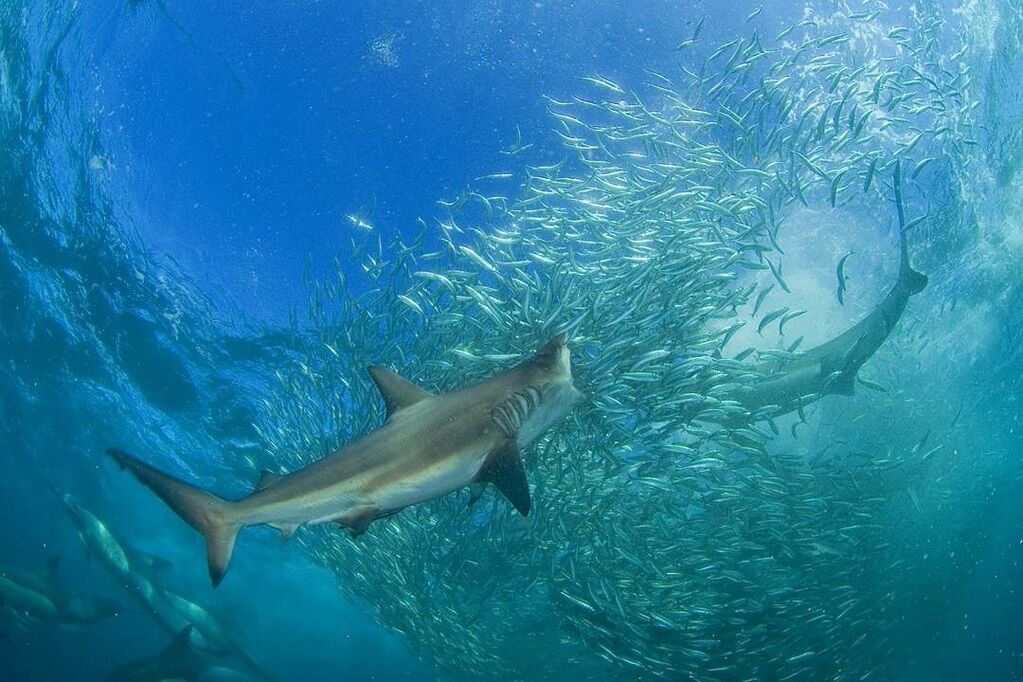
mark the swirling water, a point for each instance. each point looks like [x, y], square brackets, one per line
[876, 536]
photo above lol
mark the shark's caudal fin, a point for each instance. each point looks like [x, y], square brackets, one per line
[910, 279]
[207, 513]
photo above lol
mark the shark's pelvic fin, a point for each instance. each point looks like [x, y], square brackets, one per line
[503, 467]
[207, 513]
[398, 392]
[358, 520]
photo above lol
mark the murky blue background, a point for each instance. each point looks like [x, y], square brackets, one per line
[173, 174]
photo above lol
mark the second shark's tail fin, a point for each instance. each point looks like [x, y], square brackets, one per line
[207, 513]
[912, 280]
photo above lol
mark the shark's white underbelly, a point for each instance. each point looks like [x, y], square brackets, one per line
[427, 483]
[345, 498]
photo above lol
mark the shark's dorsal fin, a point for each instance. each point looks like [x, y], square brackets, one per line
[266, 479]
[398, 392]
[180, 646]
[503, 467]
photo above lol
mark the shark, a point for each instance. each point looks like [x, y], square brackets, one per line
[831, 368]
[430, 445]
[179, 660]
[137, 572]
[43, 597]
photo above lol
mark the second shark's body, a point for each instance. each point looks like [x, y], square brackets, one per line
[137, 572]
[179, 661]
[830, 368]
[430, 445]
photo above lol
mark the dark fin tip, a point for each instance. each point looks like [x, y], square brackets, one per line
[504, 469]
[916, 281]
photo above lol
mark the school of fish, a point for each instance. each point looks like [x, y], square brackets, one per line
[670, 536]
[710, 508]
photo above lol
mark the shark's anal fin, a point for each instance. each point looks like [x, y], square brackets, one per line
[287, 530]
[266, 479]
[398, 392]
[503, 467]
[358, 519]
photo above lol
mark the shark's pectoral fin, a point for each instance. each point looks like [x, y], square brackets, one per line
[829, 364]
[839, 372]
[266, 479]
[398, 392]
[358, 520]
[503, 467]
[475, 492]
[842, 383]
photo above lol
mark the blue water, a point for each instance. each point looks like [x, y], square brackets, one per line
[175, 178]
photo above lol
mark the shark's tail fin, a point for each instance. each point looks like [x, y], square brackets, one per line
[912, 280]
[207, 513]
